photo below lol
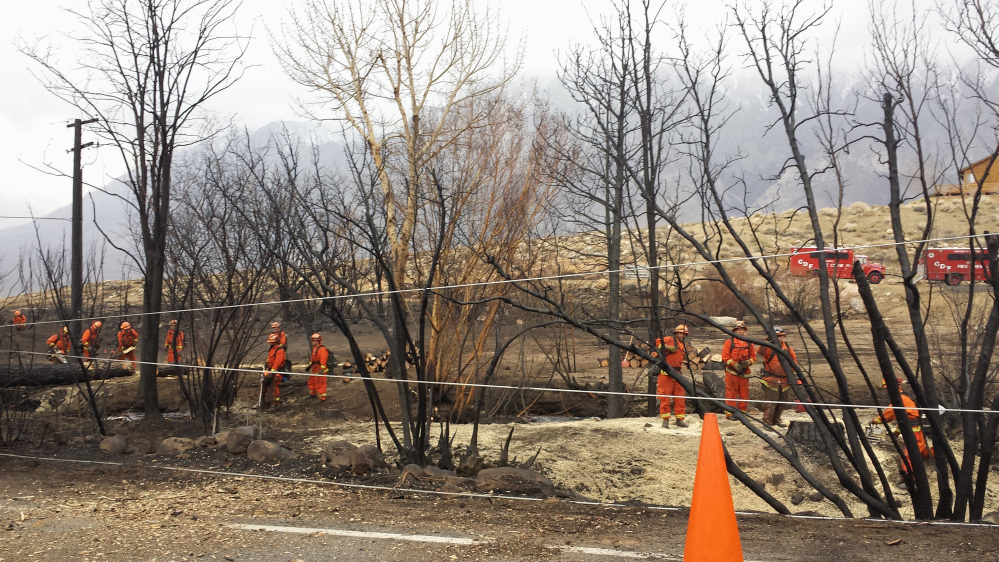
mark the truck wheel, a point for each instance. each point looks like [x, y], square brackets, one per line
[875, 277]
[953, 279]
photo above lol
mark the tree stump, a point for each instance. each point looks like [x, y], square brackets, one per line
[806, 435]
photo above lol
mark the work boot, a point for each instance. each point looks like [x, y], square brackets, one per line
[680, 423]
[780, 423]
[665, 423]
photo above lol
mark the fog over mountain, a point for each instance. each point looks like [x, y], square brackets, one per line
[755, 155]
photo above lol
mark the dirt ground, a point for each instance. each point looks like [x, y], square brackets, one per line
[89, 513]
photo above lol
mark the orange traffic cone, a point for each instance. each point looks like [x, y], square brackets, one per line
[712, 532]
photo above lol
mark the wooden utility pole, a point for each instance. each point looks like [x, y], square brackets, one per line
[76, 263]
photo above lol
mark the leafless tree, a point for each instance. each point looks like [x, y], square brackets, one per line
[145, 69]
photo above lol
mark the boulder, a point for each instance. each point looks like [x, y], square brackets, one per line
[451, 488]
[727, 321]
[221, 436]
[239, 439]
[509, 479]
[816, 496]
[413, 470]
[265, 451]
[204, 441]
[342, 461]
[174, 446]
[375, 457]
[991, 517]
[336, 448]
[114, 445]
[797, 498]
[777, 478]
[359, 464]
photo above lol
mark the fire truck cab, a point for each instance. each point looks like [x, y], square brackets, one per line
[953, 265]
[839, 262]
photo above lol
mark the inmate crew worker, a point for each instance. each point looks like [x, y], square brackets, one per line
[738, 356]
[272, 375]
[58, 344]
[915, 423]
[174, 343]
[127, 337]
[670, 391]
[775, 385]
[18, 320]
[319, 366]
[90, 341]
[282, 338]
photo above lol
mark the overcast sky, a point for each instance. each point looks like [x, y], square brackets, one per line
[33, 129]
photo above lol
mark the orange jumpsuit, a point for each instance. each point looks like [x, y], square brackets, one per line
[58, 342]
[666, 386]
[917, 429]
[320, 358]
[737, 380]
[282, 339]
[775, 385]
[90, 342]
[18, 321]
[127, 338]
[275, 362]
[174, 345]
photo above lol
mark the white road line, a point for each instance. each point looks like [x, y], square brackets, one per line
[355, 534]
[611, 552]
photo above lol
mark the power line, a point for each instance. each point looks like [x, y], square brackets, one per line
[35, 218]
[248, 370]
[563, 276]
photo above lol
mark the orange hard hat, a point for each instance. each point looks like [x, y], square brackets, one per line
[740, 325]
[17, 313]
[780, 331]
[681, 329]
[275, 325]
[316, 337]
[126, 325]
[65, 330]
[884, 384]
[173, 322]
[272, 338]
[96, 324]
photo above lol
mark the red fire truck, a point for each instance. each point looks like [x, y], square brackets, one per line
[953, 265]
[805, 262]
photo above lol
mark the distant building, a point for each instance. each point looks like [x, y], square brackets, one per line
[969, 179]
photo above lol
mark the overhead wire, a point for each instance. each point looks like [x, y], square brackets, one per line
[248, 370]
[562, 276]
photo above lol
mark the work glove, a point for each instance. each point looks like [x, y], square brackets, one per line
[876, 421]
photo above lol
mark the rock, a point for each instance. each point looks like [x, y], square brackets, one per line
[174, 446]
[637, 470]
[797, 498]
[777, 479]
[265, 451]
[93, 438]
[413, 470]
[727, 321]
[991, 517]
[342, 461]
[204, 441]
[451, 488]
[239, 439]
[359, 464]
[857, 305]
[508, 479]
[436, 472]
[749, 320]
[221, 436]
[335, 448]
[816, 496]
[114, 445]
[375, 457]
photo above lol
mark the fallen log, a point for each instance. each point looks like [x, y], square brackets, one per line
[14, 373]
